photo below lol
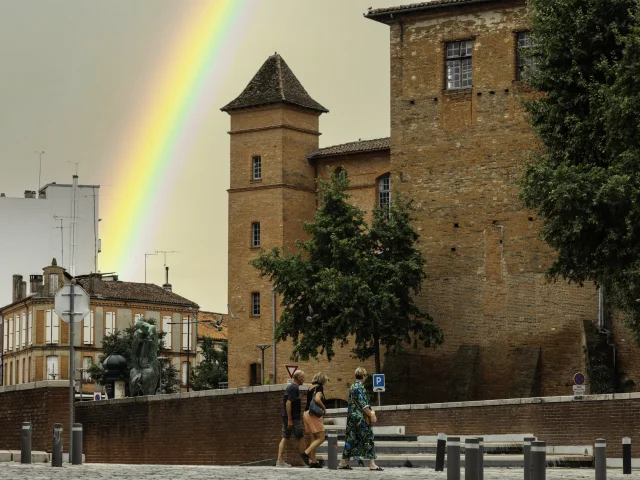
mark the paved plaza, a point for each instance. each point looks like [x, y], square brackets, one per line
[16, 471]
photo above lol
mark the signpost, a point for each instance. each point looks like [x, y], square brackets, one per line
[72, 305]
[579, 387]
[378, 384]
[291, 369]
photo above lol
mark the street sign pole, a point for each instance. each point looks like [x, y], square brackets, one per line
[71, 367]
[379, 401]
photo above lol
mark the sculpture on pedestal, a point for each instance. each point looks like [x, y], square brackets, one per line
[145, 372]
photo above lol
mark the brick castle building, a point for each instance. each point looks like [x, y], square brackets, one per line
[457, 136]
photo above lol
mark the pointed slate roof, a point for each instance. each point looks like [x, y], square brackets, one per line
[274, 83]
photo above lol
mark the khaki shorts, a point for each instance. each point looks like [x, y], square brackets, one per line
[297, 429]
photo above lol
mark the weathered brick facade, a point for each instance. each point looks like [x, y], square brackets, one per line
[458, 153]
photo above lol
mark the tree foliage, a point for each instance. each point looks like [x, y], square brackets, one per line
[351, 280]
[584, 180]
[119, 343]
[213, 368]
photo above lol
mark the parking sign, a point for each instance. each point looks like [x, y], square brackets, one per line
[378, 382]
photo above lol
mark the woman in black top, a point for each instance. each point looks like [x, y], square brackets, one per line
[315, 425]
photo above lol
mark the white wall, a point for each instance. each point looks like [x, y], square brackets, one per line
[29, 239]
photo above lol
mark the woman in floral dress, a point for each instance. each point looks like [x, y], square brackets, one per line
[359, 441]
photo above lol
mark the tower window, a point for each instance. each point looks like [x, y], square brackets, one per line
[384, 190]
[255, 235]
[257, 167]
[526, 64]
[459, 64]
[255, 304]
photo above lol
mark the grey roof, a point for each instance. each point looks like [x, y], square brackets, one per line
[274, 83]
[415, 7]
[142, 292]
[352, 147]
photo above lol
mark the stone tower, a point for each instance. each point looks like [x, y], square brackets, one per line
[274, 125]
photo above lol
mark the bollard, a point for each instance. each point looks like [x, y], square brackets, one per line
[626, 456]
[538, 460]
[56, 446]
[441, 447]
[480, 458]
[25, 444]
[332, 450]
[471, 460]
[527, 456]
[453, 458]
[601, 459]
[76, 455]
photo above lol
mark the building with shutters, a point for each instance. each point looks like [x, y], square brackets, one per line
[35, 341]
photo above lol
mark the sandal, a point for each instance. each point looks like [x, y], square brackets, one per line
[377, 469]
[345, 467]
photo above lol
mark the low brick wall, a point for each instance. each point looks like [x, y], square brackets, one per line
[556, 420]
[42, 404]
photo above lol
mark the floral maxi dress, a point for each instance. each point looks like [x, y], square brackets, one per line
[358, 440]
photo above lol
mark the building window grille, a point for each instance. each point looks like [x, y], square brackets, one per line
[257, 168]
[255, 235]
[459, 64]
[384, 190]
[526, 65]
[255, 304]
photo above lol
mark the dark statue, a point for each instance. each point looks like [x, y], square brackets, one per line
[145, 372]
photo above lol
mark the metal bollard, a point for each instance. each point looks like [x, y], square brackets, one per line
[25, 443]
[332, 451]
[453, 458]
[601, 459]
[538, 460]
[76, 455]
[626, 456]
[441, 447]
[527, 456]
[56, 446]
[471, 459]
[480, 458]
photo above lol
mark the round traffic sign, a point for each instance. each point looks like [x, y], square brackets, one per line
[578, 378]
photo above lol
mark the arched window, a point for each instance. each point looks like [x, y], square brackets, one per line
[384, 190]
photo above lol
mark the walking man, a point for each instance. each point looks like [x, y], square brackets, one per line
[292, 419]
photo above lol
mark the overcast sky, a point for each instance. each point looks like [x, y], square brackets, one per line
[73, 70]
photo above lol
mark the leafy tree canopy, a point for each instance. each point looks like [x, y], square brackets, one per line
[351, 280]
[584, 180]
[213, 368]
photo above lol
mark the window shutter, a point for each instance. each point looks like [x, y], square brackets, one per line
[166, 327]
[48, 327]
[5, 327]
[87, 333]
[23, 338]
[17, 332]
[11, 334]
[185, 334]
[30, 328]
[55, 328]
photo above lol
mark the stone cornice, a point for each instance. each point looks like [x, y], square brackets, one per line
[270, 187]
[273, 127]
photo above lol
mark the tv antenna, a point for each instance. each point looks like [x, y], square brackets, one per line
[164, 252]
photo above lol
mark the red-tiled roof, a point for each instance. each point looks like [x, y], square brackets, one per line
[142, 292]
[209, 329]
[274, 83]
[373, 13]
[352, 147]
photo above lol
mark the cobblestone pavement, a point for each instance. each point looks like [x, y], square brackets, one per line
[16, 471]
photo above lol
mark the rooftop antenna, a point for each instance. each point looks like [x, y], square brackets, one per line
[40, 153]
[166, 268]
[61, 227]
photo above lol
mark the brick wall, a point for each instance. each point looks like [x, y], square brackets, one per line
[42, 404]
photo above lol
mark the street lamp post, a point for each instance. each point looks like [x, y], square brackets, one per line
[263, 347]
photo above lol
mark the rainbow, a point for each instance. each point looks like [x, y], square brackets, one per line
[149, 158]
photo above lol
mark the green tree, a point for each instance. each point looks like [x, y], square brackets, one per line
[584, 180]
[213, 368]
[350, 279]
[119, 343]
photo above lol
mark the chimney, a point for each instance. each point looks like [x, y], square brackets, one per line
[95, 283]
[17, 288]
[35, 281]
[29, 194]
[167, 285]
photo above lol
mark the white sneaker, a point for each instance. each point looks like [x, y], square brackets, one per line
[283, 464]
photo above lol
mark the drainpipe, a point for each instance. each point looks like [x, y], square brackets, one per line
[273, 321]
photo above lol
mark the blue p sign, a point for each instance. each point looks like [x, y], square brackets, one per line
[378, 382]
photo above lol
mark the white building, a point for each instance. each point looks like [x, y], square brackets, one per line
[33, 230]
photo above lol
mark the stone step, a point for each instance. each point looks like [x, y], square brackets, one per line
[36, 456]
[387, 430]
[490, 461]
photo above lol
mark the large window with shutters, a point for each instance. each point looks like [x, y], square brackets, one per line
[10, 334]
[89, 323]
[30, 328]
[52, 327]
[17, 333]
[186, 334]
[109, 323]
[166, 327]
[23, 337]
[5, 329]
[53, 371]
